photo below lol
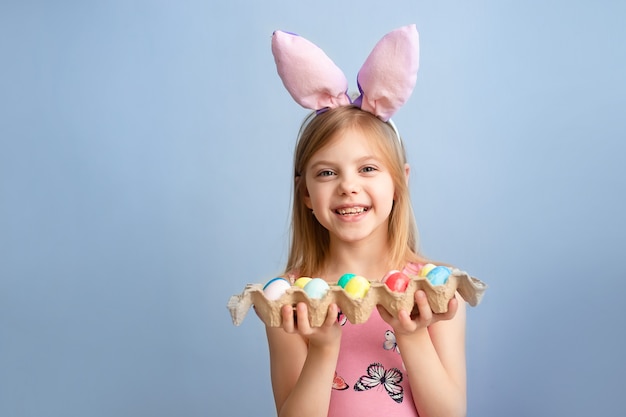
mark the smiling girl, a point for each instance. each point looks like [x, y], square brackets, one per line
[352, 213]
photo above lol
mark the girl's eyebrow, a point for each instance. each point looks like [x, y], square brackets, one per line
[358, 161]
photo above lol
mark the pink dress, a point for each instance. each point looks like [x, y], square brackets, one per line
[370, 378]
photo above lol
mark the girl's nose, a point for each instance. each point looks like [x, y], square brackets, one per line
[349, 185]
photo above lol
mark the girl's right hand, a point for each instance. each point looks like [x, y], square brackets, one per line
[296, 321]
[406, 323]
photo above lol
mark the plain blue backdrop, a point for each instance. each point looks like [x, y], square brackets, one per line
[145, 159]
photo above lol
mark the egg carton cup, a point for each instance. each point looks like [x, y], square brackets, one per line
[356, 310]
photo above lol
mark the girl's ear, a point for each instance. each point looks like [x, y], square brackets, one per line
[407, 171]
[306, 197]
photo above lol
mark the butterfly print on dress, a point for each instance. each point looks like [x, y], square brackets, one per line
[390, 342]
[339, 383]
[341, 318]
[377, 376]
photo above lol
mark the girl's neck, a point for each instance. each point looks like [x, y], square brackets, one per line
[368, 260]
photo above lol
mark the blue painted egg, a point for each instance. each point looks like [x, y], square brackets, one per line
[439, 275]
[316, 288]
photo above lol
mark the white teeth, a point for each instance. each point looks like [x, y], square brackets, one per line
[352, 210]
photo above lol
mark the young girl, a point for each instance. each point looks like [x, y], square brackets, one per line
[352, 213]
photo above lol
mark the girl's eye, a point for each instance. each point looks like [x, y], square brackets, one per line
[368, 169]
[325, 173]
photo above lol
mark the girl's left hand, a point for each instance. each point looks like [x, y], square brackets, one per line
[297, 322]
[404, 323]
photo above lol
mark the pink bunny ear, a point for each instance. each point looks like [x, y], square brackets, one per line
[310, 76]
[387, 78]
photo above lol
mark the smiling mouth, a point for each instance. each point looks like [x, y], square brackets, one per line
[351, 211]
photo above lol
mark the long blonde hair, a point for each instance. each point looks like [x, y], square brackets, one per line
[310, 241]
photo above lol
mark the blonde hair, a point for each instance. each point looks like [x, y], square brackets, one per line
[310, 241]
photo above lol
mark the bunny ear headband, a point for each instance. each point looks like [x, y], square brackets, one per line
[385, 81]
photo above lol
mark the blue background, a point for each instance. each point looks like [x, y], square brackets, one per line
[145, 159]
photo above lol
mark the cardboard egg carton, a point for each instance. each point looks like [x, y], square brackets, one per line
[356, 310]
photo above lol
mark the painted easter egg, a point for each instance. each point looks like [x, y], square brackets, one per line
[426, 269]
[302, 281]
[439, 275]
[316, 288]
[344, 280]
[397, 281]
[357, 287]
[388, 274]
[275, 288]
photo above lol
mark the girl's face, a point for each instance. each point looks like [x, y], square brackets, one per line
[350, 189]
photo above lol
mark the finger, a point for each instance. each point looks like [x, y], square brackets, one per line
[331, 317]
[453, 306]
[425, 313]
[406, 323]
[302, 316]
[288, 318]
